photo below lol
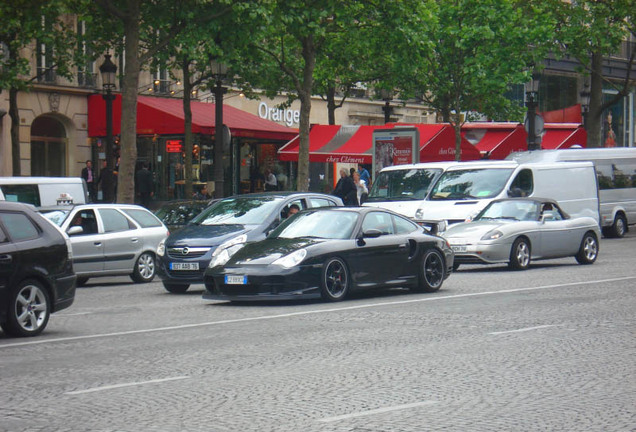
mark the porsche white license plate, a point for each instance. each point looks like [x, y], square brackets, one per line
[235, 280]
[184, 266]
[459, 248]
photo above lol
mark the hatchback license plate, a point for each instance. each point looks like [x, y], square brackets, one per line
[184, 266]
[459, 248]
[235, 280]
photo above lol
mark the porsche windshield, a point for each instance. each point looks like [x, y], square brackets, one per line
[403, 185]
[238, 211]
[326, 224]
[475, 183]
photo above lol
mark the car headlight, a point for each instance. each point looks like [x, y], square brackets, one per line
[161, 249]
[419, 214]
[292, 259]
[492, 235]
[229, 243]
[222, 256]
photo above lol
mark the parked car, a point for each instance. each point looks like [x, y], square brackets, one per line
[36, 270]
[185, 255]
[518, 230]
[111, 239]
[329, 253]
[177, 214]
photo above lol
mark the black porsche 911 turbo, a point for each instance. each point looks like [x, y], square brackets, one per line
[328, 253]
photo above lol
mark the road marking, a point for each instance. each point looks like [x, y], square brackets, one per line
[132, 384]
[311, 312]
[523, 329]
[377, 411]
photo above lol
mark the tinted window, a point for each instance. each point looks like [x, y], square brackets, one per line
[321, 202]
[618, 174]
[22, 193]
[114, 221]
[403, 184]
[143, 217]
[470, 183]
[20, 226]
[379, 221]
[523, 184]
[321, 224]
[403, 226]
[87, 220]
[242, 211]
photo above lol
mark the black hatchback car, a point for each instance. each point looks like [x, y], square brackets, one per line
[36, 270]
[185, 254]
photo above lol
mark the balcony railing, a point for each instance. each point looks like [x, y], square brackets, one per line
[46, 75]
[87, 79]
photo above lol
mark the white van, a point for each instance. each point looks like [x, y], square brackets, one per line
[44, 191]
[465, 188]
[616, 171]
[402, 188]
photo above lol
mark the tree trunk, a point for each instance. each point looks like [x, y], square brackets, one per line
[457, 126]
[304, 93]
[331, 105]
[14, 114]
[188, 138]
[126, 186]
[593, 121]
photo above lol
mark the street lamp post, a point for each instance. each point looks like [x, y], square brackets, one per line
[532, 96]
[585, 102]
[219, 71]
[108, 69]
[387, 96]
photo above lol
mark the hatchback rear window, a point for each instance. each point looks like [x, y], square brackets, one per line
[143, 217]
[19, 226]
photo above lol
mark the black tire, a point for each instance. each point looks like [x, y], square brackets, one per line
[81, 281]
[432, 272]
[520, 255]
[589, 249]
[334, 283]
[145, 268]
[619, 227]
[29, 309]
[176, 288]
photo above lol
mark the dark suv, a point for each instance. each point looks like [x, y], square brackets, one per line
[36, 270]
[185, 254]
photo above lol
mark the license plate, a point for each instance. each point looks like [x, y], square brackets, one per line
[184, 266]
[235, 280]
[459, 248]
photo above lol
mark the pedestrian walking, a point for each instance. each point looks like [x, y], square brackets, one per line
[144, 185]
[346, 189]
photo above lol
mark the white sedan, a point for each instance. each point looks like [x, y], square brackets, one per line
[518, 230]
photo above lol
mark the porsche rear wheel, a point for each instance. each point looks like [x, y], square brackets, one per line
[335, 280]
[520, 255]
[432, 272]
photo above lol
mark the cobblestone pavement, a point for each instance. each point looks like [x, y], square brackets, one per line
[549, 349]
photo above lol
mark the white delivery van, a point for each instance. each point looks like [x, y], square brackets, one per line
[616, 171]
[465, 188]
[402, 188]
[44, 191]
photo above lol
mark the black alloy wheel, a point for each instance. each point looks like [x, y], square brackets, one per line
[335, 280]
[432, 272]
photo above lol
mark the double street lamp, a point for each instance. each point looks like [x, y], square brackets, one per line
[108, 69]
[585, 102]
[387, 97]
[219, 72]
[532, 97]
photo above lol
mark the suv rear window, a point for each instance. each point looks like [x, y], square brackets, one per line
[143, 217]
[28, 193]
[19, 226]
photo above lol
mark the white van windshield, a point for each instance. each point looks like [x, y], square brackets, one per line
[471, 183]
[403, 185]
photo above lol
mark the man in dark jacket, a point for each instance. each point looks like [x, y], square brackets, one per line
[144, 185]
[346, 189]
[91, 182]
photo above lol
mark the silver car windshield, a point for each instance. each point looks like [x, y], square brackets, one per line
[403, 185]
[470, 184]
[514, 210]
[241, 211]
[56, 216]
[319, 224]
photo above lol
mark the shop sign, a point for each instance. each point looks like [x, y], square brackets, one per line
[174, 146]
[394, 147]
[288, 116]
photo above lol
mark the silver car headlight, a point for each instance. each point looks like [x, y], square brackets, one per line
[161, 249]
[492, 235]
[292, 259]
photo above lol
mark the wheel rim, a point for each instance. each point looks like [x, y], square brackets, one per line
[590, 249]
[336, 279]
[620, 227]
[146, 266]
[434, 270]
[523, 254]
[31, 308]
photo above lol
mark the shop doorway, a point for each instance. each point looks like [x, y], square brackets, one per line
[48, 148]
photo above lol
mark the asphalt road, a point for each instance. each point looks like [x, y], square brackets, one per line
[549, 349]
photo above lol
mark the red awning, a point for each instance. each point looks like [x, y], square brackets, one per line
[571, 114]
[496, 140]
[163, 116]
[563, 135]
[354, 144]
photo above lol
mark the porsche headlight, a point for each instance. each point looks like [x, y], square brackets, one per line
[292, 259]
[492, 235]
[161, 249]
[220, 258]
[229, 243]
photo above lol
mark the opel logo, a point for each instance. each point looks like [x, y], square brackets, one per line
[185, 251]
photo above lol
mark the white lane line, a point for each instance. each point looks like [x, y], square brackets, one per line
[132, 384]
[312, 312]
[377, 411]
[523, 329]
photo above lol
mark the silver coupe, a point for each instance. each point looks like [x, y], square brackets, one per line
[518, 230]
